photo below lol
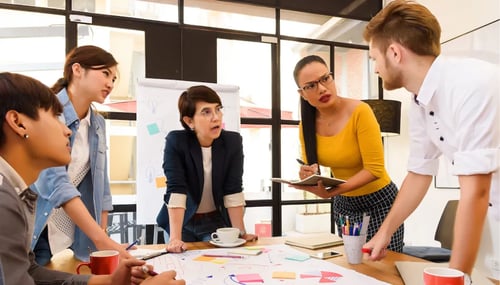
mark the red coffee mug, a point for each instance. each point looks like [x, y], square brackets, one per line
[443, 276]
[101, 262]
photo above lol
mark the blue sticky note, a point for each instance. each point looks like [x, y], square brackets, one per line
[153, 129]
[298, 257]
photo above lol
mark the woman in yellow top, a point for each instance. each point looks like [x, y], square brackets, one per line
[343, 134]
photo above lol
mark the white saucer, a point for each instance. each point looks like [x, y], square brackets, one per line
[238, 242]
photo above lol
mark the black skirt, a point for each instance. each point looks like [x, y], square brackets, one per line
[376, 205]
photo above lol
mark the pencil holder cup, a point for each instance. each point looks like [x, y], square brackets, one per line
[352, 246]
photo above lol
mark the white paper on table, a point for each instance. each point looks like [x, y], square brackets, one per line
[272, 259]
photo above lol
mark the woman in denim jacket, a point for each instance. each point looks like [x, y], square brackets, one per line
[81, 188]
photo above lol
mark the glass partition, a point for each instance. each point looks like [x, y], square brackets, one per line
[164, 10]
[127, 46]
[321, 27]
[220, 14]
[56, 4]
[24, 37]
[353, 75]
[253, 75]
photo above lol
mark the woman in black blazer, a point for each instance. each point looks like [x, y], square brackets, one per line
[204, 166]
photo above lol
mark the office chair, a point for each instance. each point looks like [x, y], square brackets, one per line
[444, 234]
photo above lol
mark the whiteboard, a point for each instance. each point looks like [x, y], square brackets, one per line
[157, 114]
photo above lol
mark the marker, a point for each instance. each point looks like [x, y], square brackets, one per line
[366, 250]
[132, 244]
[146, 270]
[223, 256]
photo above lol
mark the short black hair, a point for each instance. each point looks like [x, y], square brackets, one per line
[189, 98]
[25, 95]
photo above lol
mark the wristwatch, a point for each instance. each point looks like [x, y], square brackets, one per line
[242, 233]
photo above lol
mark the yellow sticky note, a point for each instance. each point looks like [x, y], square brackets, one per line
[161, 182]
[204, 258]
[219, 261]
[283, 275]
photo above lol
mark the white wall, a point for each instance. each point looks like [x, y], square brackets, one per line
[459, 16]
[456, 17]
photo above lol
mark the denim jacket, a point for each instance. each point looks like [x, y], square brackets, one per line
[55, 188]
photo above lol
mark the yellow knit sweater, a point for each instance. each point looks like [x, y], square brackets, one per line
[357, 146]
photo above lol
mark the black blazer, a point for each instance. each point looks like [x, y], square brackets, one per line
[183, 167]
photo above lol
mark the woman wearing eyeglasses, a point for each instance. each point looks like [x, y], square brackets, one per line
[343, 134]
[204, 166]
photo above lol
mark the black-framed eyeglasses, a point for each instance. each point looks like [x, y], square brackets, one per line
[210, 113]
[313, 85]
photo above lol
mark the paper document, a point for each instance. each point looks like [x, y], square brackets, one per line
[276, 265]
[311, 181]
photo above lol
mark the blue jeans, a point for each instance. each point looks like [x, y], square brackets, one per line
[200, 229]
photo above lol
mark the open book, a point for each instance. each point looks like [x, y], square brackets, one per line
[312, 181]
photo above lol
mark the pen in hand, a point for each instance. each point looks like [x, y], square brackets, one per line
[146, 270]
[132, 244]
[301, 162]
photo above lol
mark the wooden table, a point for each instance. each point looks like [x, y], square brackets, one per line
[384, 270]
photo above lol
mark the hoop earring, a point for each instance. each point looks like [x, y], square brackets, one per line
[26, 136]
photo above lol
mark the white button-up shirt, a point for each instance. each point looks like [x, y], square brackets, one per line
[456, 113]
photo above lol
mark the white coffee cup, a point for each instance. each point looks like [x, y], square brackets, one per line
[226, 235]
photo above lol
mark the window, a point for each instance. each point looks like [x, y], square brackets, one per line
[127, 46]
[165, 10]
[219, 14]
[24, 37]
[211, 41]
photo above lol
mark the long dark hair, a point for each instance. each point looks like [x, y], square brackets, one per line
[308, 112]
[89, 57]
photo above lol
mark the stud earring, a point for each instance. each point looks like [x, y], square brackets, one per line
[26, 136]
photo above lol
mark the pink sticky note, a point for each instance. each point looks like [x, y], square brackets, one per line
[249, 278]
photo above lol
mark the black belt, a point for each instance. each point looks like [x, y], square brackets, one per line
[199, 216]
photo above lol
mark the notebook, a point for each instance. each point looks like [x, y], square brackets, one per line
[315, 241]
[412, 272]
[312, 181]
